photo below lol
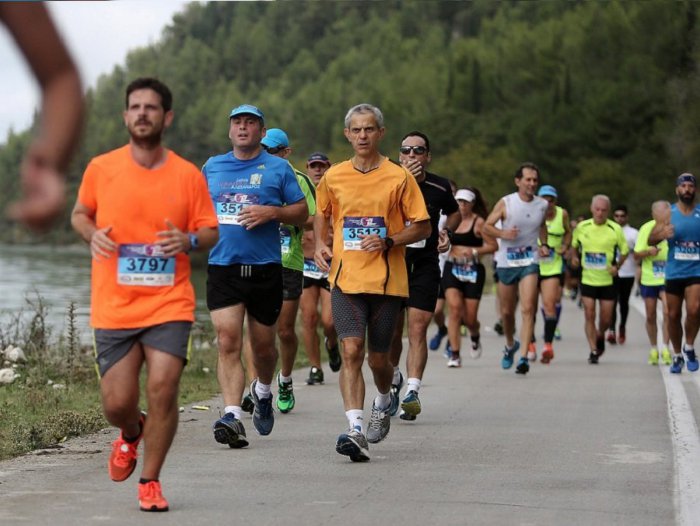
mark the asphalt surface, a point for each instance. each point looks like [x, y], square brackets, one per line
[570, 443]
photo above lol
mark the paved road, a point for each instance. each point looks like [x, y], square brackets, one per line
[570, 443]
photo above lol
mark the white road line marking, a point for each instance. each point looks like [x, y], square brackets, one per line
[684, 436]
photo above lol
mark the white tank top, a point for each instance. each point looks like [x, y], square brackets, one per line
[527, 216]
[629, 267]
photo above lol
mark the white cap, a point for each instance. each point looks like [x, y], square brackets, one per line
[465, 195]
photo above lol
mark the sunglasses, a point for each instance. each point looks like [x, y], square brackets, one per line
[418, 150]
[275, 150]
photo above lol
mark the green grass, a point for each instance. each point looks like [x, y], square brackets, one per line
[36, 415]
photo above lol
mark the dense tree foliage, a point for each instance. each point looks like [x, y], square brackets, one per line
[601, 95]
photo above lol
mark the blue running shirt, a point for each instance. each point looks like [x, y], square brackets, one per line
[233, 185]
[684, 246]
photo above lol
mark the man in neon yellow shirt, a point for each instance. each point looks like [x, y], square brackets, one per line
[594, 243]
[653, 259]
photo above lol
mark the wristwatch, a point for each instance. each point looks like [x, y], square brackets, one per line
[388, 242]
[194, 242]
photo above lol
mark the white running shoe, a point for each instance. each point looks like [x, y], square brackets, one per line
[475, 352]
[454, 362]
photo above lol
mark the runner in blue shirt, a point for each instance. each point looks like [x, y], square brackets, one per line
[682, 230]
[253, 192]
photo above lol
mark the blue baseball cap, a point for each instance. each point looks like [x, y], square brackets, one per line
[686, 178]
[318, 157]
[275, 138]
[247, 109]
[548, 190]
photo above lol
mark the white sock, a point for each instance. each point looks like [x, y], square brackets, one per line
[397, 376]
[413, 384]
[235, 409]
[382, 401]
[356, 418]
[285, 379]
[263, 390]
[687, 347]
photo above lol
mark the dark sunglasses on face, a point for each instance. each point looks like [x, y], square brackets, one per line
[418, 150]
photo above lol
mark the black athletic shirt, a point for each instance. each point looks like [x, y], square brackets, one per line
[438, 197]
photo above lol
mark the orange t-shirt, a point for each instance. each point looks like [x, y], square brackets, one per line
[380, 202]
[134, 287]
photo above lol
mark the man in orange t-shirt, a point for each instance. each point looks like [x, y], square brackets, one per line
[369, 201]
[142, 208]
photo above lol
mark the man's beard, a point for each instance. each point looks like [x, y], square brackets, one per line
[147, 141]
[687, 198]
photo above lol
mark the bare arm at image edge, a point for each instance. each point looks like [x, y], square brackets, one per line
[61, 114]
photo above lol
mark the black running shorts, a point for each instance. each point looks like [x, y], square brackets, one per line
[423, 283]
[258, 287]
[608, 292]
[470, 290]
[292, 284]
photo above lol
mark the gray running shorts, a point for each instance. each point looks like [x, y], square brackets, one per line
[373, 314]
[111, 345]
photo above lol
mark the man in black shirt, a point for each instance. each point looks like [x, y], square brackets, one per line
[423, 272]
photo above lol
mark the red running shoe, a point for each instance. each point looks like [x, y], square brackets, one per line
[122, 460]
[151, 497]
[547, 353]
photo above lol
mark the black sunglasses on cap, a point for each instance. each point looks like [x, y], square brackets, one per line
[275, 150]
[418, 150]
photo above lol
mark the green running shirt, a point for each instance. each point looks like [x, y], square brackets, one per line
[290, 235]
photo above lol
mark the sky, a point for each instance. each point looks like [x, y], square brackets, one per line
[99, 36]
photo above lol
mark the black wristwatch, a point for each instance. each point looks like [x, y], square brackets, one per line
[388, 242]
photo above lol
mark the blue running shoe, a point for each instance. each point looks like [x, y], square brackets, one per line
[395, 390]
[690, 359]
[677, 365]
[523, 366]
[436, 340]
[507, 360]
[263, 415]
[448, 351]
[229, 430]
[557, 334]
[410, 405]
[353, 444]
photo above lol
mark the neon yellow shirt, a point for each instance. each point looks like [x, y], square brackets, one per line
[653, 267]
[553, 265]
[597, 245]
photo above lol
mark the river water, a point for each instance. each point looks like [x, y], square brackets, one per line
[58, 275]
